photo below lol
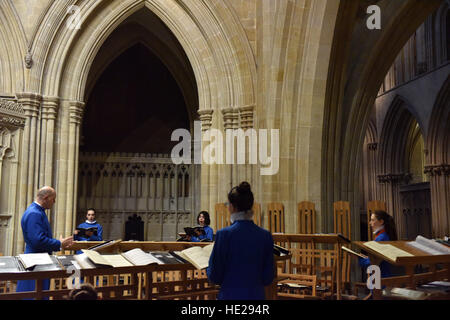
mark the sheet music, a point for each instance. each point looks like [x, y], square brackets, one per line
[33, 259]
[117, 260]
[139, 258]
[429, 246]
[387, 250]
[199, 257]
[83, 261]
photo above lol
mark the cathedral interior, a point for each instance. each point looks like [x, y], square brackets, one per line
[91, 92]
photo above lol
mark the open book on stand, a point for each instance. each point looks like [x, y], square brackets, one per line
[10, 264]
[429, 246]
[135, 257]
[387, 250]
[197, 256]
[39, 262]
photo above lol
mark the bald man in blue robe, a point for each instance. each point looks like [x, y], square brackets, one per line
[38, 234]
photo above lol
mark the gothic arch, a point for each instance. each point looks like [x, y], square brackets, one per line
[219, 74]
[212, 38]
[438, 166]
[397, 135]
[439, 127]
[126, 37]
[359, 63]
[13, 49]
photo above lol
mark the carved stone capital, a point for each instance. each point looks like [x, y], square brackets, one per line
[76, 109]
[394, 178]
[437, 170]
[246, 115]
[206, 118]
[30, 102]
[230, 118]
[50, 108]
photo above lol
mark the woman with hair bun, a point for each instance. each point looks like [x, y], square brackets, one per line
[383, 227]
[242, 258]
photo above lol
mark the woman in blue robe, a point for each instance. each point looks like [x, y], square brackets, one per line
[383, 228]
[242, 258]
[90, 223]
[203, 220]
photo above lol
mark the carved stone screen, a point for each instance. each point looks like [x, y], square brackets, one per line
[120, 185]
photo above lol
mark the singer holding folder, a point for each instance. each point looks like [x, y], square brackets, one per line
[89, 223]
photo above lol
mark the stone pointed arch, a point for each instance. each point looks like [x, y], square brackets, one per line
[359, 63]
[13, 49]
[398, 132]
[216, 46]
[398, 135]
[438, 166]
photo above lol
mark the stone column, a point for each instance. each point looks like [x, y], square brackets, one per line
[49, 114]
[230, 172]
[373, 192]
[29, 155]
[439, 176]
[75, 115]
[206, 185]
[246, 119]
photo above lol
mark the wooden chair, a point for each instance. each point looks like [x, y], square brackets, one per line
[306, 214]
[373, 206]
[222, 216]
[297, 286]
[342, 225]
[257, 214]
[326, 273]
[275, 212]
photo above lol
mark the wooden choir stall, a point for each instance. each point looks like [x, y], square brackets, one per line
[166, 281]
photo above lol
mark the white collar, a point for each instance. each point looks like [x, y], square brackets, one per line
[93, 222]
[39, 205]
[378, 229]
[241, 215]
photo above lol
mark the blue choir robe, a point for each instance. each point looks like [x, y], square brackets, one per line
[242, 261]
[384, 265]
[209, 233]
[38, 239]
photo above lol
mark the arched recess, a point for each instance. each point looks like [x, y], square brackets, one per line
[13, 48]
[360, 60]
[214, 42]
[398, 136]
[438, 162]
[132, 32]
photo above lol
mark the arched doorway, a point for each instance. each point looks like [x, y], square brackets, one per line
[219, 55]
[140, 89]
